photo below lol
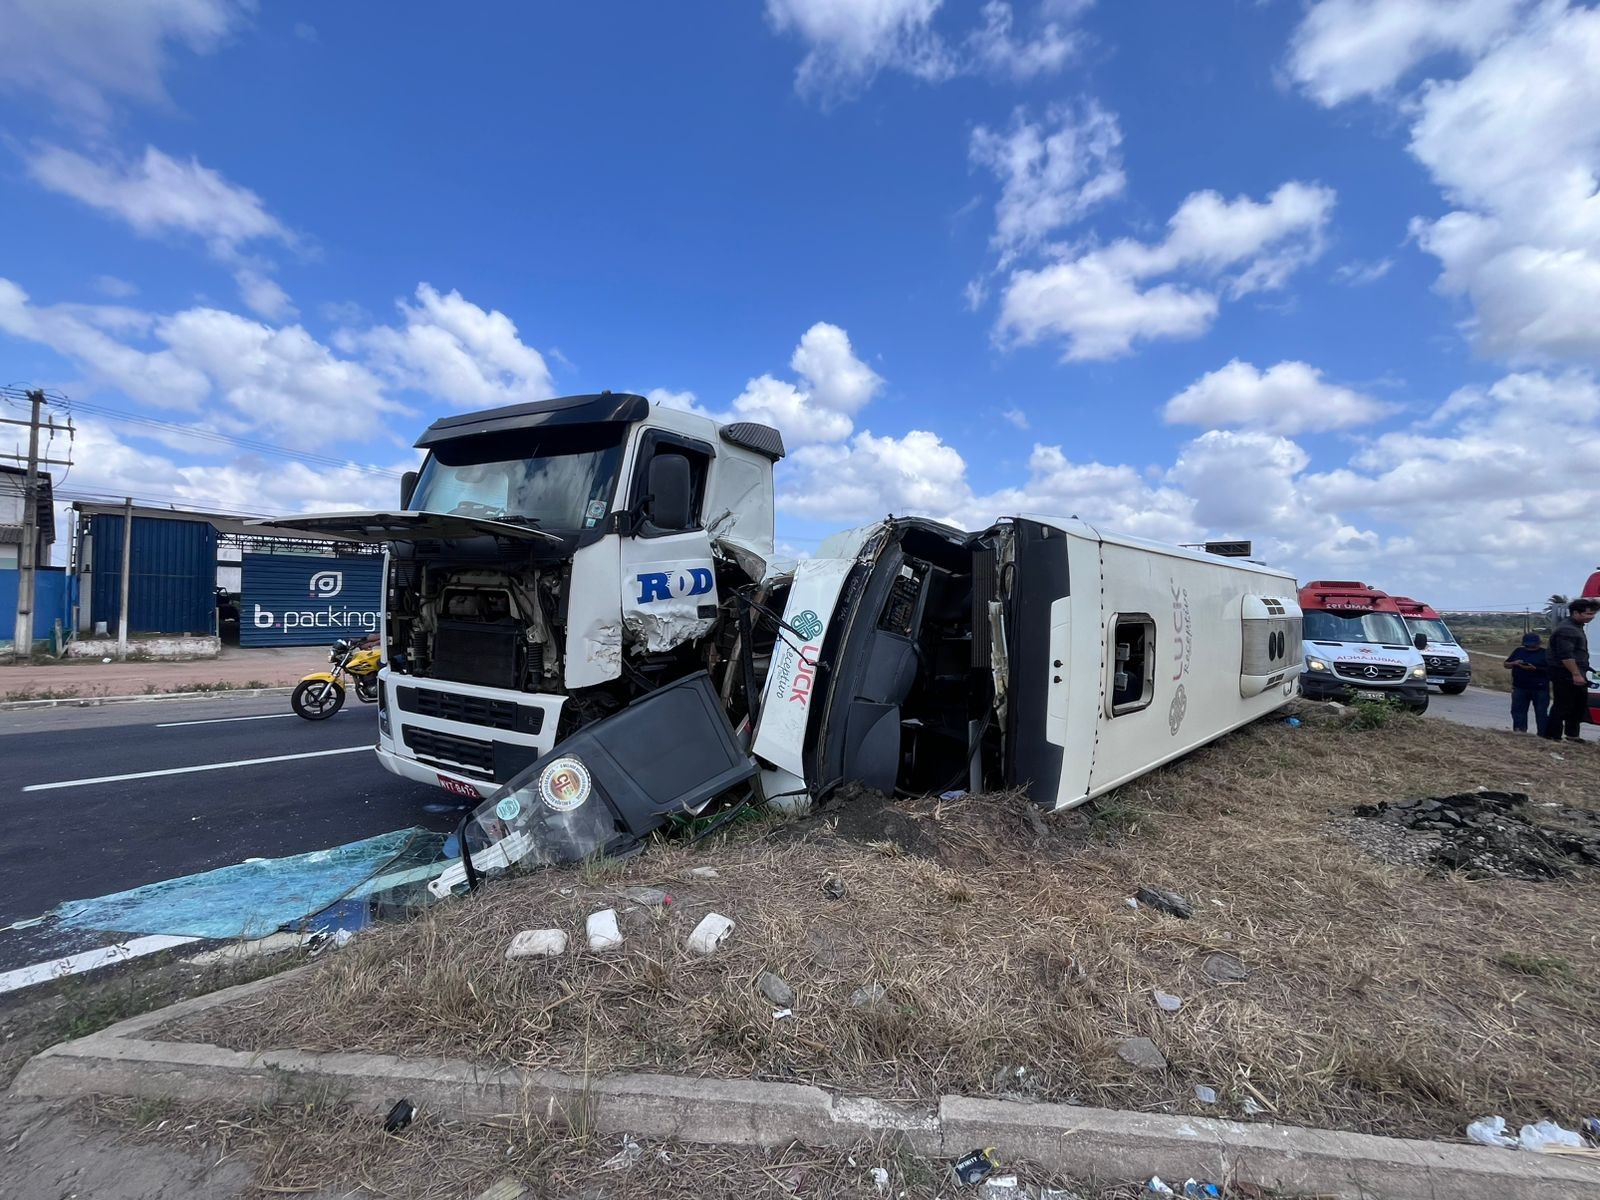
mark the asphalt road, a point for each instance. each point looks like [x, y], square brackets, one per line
[1478, 707]
[107, 825]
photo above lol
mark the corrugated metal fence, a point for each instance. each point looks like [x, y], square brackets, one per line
[302, 600]
[172, 586]
[54, 594]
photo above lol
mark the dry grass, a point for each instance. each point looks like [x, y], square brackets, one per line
[329, 1150]
[1379, 998]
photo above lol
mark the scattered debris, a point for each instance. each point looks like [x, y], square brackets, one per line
[401, 1115]
[1491, 833]
[1156, 1188]
[649, 897]
[712, 931]
[975, 1167]
[623, 1159]
[1222, 967]
[1204, 1094]
[1167, 902]
[1142, 1053]
[1591, 1129]
[1251, 1108]
[603, 931]
[506, 1187]
[1166, 1001]
[833, 888]
[1292, 722]
[872, 993]
[1195, 1189]
[776, 989]
[537, 943]
[998, 1187]
[782, 1014]
[880, 1179]
[1547, 1135]
[1490, 1131]
[703, 872]
[791, 1179]
[1131, 902]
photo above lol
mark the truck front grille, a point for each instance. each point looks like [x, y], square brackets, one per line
[447, 750]
[472, 710]
[1369, 672]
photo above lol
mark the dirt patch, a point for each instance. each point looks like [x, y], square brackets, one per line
[1488, 834]
[330, 1151]
[1002, 957]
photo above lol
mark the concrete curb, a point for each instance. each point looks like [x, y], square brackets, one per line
[96, 701]
[131, 1059]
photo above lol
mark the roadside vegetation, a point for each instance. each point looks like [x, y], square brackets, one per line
[967, 945]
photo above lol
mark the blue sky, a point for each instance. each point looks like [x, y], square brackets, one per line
[1317, 274]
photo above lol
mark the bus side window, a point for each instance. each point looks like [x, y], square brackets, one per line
[1133, 679]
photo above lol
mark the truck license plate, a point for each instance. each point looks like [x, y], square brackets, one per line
[459, 788]
[1361, 694]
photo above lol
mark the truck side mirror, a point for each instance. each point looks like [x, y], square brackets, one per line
[668, 485]
[1420, 641]
[408, 485]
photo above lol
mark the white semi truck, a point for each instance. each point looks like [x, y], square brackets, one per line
[583, 624]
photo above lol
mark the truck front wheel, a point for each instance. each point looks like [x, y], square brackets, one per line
[1452, 689]
[1420, 706]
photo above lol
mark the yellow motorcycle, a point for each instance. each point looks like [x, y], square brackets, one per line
[321, 694]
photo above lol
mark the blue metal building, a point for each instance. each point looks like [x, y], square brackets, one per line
[307, 600]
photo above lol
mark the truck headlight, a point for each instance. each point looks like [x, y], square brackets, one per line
[1419, 672]
[1316, 664]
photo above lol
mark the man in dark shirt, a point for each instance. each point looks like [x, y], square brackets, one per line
[1568, 666]
[1530, 685]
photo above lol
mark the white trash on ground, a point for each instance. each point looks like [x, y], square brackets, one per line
[603, 931]
[1490, 1131]
[1166, 1001]
[1546, 1135]
[712, 931]
[537, 943]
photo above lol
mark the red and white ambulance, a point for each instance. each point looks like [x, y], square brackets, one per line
[1449, 666]
[1357, 646]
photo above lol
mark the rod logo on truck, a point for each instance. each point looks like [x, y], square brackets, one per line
[672, 585]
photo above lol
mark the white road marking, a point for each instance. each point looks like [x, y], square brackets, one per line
[243, 762]
[88, 960]
[224, 720]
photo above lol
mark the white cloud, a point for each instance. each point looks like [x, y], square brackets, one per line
[1359, 274]
[79, 54]
[1051, 172]
[839, 381]
[1349, 48]
[1016, 417]
[849, 42]
[1509, 129]
[997, 49]
[1289, 398]
[158, 195]
[110, 285]
[872, 476]
[454, 350]
[1101, 301]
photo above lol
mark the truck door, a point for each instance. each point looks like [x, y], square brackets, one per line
[669, 582]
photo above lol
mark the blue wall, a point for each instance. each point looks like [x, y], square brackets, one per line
[54, 593]
[298, 600]
[172, 587]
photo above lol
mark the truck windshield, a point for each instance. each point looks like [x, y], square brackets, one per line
[556, 479]
[1385, 628]
[1436, 629]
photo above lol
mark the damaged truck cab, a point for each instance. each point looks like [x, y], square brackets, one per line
[550, 562]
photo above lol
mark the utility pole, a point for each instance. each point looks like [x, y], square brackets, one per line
[27, 556]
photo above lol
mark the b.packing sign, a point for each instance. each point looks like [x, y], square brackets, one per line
[297, 600]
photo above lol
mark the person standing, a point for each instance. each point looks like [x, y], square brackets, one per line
[1567, 663]
[1530, 685]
